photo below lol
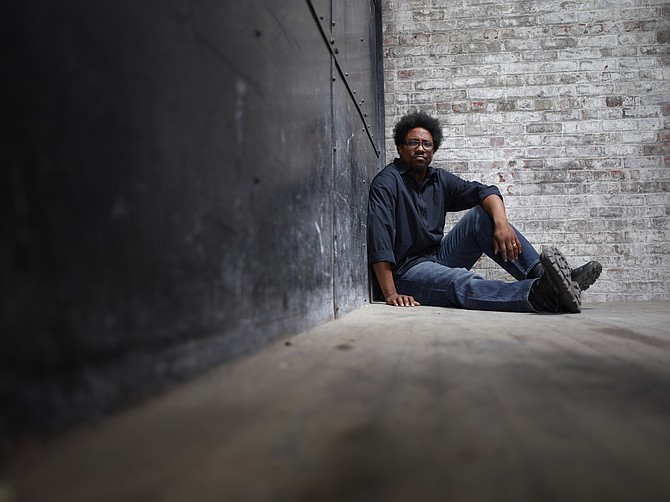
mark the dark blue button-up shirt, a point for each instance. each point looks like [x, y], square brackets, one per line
[406, 221]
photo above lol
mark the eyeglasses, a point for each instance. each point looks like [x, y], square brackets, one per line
[414, 143]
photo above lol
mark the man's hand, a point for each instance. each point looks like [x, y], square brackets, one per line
[401, 300]
[506, 242]
[385, 279]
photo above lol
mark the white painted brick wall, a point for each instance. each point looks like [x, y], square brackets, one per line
[563, 105]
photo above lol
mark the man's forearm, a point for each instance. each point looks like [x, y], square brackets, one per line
[384, 276]
[495, 208]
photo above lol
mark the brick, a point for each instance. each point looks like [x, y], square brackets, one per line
[663, 37]
[543, 127]
[551, 42]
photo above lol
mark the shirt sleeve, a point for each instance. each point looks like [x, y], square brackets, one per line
[381, 221]
[461, 194]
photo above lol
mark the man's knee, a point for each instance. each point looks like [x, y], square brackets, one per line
[477, 218]
[478, 212]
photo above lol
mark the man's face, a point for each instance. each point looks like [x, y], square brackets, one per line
[417, 156]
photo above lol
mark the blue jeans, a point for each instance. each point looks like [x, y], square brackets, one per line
[447, 281]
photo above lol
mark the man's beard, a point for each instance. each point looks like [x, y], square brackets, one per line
[417, 168]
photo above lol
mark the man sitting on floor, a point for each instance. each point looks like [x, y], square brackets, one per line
[415, 263]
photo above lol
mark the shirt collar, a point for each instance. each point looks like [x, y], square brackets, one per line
[402, 169]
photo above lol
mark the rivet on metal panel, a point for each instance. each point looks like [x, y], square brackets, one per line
[332, 41]
[362, 40]
[354, 91]
[334, 79]
[365, 114]
[346, 74]
[336, 50]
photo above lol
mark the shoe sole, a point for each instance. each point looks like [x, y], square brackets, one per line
[590, 277]
[558, 272]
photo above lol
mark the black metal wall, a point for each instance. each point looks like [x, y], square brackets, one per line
[181, 182]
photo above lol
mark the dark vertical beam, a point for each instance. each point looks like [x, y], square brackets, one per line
[379, 68]
[357, 140]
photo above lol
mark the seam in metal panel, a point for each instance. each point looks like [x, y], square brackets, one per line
[333, 182]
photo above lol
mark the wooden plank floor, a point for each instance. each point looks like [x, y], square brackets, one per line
[391, 404]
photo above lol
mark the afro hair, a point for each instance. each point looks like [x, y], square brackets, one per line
[414, 120]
